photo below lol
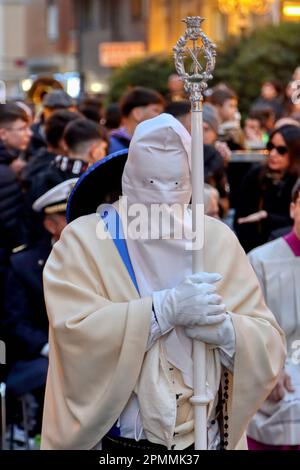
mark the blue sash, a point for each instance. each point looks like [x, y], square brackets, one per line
[113, 225]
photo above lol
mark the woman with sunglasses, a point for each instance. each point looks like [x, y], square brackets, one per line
[265, 193]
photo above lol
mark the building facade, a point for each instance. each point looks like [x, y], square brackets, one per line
[153, 26]
[107, 29]
[87, 39]
[12, 46]
[37, 37]
[50, 36]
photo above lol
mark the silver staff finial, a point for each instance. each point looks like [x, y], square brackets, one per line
[195, 82]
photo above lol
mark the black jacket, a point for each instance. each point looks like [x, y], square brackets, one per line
[260, 191]
[38, 139]
[37, 165]
[214, 170]
[60, 169]
[25, 322]
[11, 203]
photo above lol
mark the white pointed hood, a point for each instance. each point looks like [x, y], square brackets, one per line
[158, 165]
[158, 172]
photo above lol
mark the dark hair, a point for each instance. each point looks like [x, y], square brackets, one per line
[178, 108]
[92, 108]
[11, 112]
[56, 124]
[139, 96]
[291, 137]
[91, 113]
[92, 101]
[82, 131]
[296, 190]
[257, 116]
[113, 116]
[261, 112]
[220, 95]
[275, 83]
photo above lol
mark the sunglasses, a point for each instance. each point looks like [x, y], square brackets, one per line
[280, 149]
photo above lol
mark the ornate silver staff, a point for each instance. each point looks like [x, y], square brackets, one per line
[195, 83]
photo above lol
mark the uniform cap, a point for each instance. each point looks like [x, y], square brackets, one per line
[55, 200]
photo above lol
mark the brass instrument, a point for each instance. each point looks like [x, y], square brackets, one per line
[41, 87]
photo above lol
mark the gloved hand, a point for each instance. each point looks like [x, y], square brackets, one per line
[192, 302]
[220, 335]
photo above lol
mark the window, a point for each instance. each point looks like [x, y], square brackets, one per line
[136, 9]
[52, 21]
[89, 18]
[104, 14]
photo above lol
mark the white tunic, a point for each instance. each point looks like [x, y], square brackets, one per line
[278, 271]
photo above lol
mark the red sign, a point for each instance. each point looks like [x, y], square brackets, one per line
[115, 54]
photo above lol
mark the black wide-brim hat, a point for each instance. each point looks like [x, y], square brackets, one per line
[101, 183]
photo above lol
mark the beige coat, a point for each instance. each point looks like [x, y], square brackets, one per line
[99, 329]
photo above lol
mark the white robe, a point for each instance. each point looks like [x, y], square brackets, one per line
[278, 271]
[98, 337]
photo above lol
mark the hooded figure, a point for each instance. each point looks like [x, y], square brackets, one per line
[121, 338]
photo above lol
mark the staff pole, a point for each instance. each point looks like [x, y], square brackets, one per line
[195, 82]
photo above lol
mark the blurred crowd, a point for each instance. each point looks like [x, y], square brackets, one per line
[43, 152]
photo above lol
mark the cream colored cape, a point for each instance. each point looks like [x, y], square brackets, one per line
[99, 329]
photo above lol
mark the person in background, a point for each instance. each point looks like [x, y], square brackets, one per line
[92, 108]
[33, 177]
[113, 117]
[214, 166]
[136, 106]
[176, 90]
[25, 322]
[265, 193]
[225, 102]
[53, 101]
[181, 110]
[15, 136]
[255, 134]
[54, 130]
[271, 95]
[211, 201]
[211, 125]
[86, 141]
[267, 117]
[277, 266]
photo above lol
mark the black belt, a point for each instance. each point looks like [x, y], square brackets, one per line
[110, 443]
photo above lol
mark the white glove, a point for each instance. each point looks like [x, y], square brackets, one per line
[220, 335]
[193, 302]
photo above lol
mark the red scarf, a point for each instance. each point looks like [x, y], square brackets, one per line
[294, 242]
